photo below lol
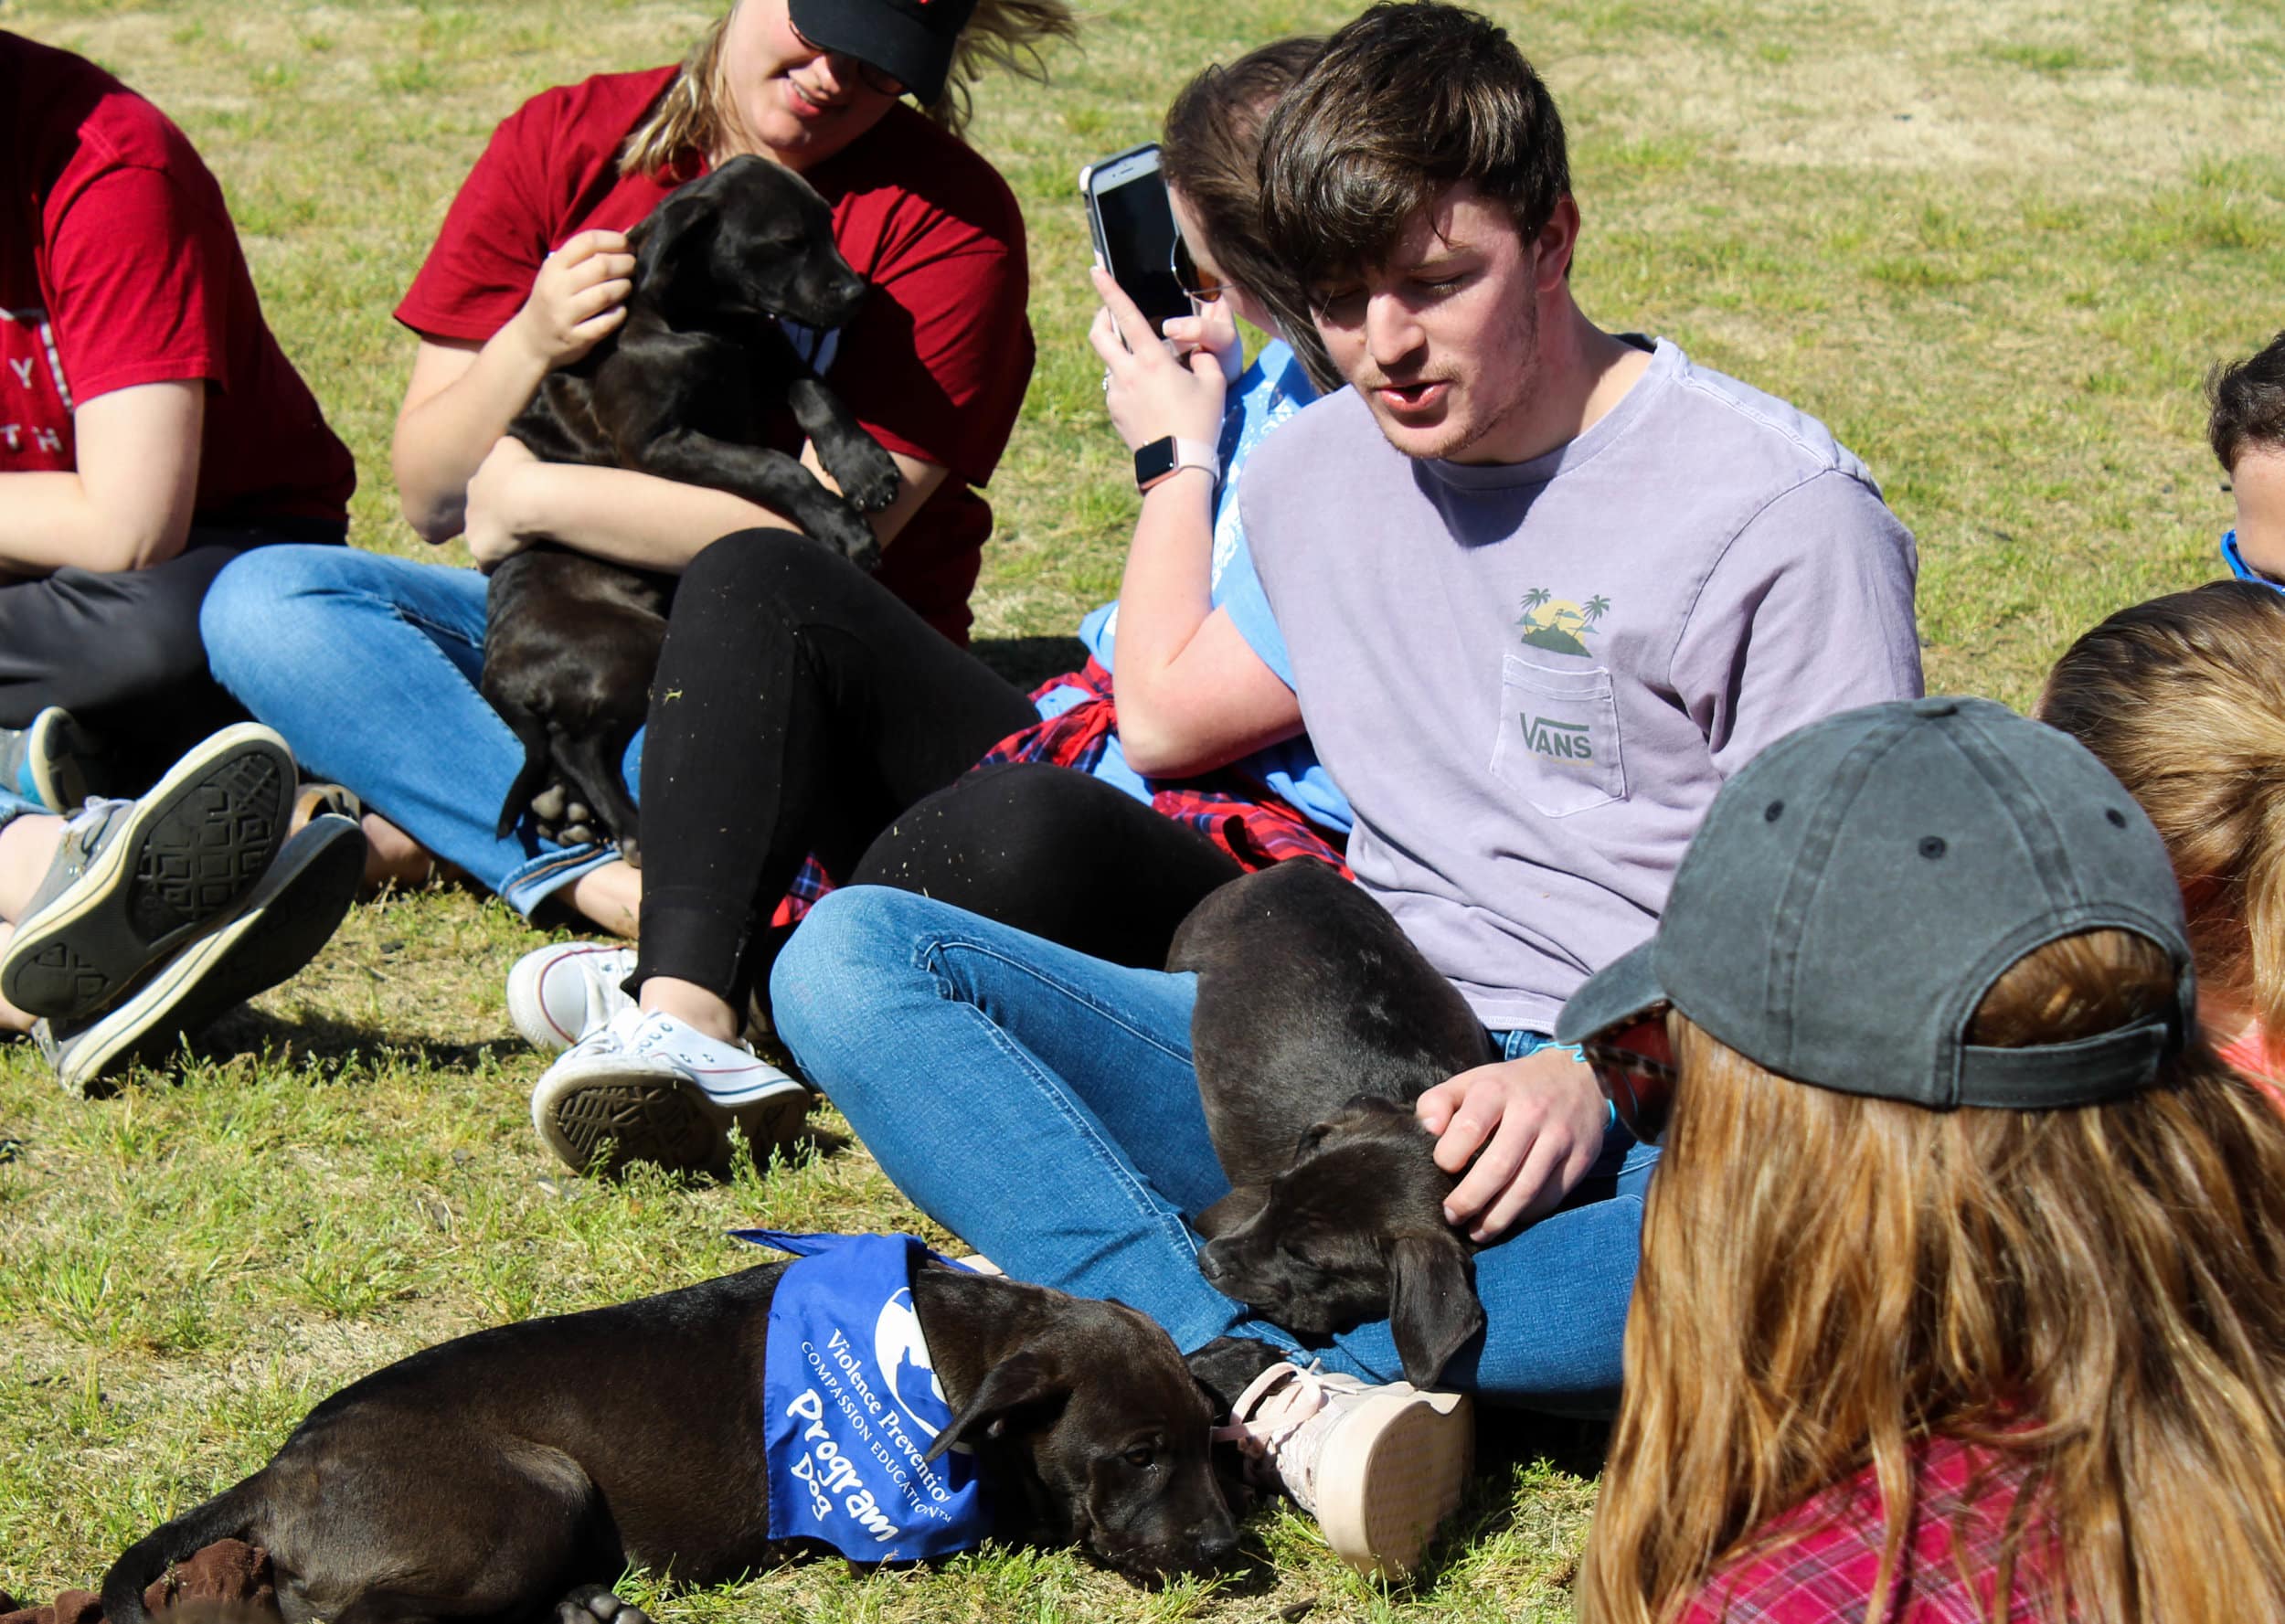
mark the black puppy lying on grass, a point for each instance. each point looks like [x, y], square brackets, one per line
[514, 1474]
[685, 389]
[1317, 1026]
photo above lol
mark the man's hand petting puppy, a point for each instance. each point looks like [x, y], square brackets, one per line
[1532, 1127]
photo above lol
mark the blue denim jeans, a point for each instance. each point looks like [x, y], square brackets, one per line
[1041, 1105]
[368, 666]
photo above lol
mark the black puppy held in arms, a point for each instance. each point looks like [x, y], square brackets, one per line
[685, 389]
[514, 1474]
[1317, 1026]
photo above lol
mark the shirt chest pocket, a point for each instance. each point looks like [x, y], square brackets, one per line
[1558, 738]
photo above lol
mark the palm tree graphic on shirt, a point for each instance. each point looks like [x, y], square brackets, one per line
[1558, 624]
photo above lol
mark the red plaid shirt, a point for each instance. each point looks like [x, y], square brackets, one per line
[1945, 1573]
[1242, 815]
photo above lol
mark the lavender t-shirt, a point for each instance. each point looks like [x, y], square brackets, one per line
[1531, 679]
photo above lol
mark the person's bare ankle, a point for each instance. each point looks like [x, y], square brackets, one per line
[392, 856]
[692, 1004]
[610, 896]
[27, 846]
[12, 1019]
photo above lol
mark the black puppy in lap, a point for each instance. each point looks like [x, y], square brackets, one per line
[1317, 1025]
[685, 389]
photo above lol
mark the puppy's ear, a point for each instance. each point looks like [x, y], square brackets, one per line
[670, 248]
[1022, 1379]
[1432, 1306]
[1236, 1209]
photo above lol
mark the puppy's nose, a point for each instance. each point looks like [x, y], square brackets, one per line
[1216, 1546]
[1210, 1263]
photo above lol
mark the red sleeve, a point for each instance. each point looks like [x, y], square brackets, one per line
[140, 285]
[940, 373]
[493, 238]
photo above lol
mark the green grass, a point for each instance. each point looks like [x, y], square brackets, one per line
[1994, 244]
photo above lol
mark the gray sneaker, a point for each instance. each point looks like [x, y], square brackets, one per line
[47, 762]
[134, 880]
[291, 915]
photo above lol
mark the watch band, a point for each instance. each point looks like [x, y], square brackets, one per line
[1162, 459]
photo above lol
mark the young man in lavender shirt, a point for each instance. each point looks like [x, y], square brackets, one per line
[1541, 588]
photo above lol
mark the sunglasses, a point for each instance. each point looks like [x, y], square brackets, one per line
[1634, 1067]
[1192, 280]
[2243, 570]
[870, 77]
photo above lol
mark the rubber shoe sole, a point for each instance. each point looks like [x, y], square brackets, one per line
[1395, 1468]
[55, 755]
[191, 852]
[289, 919]
[608, 1121]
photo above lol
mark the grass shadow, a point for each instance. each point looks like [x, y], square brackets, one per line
[1027, 662]
[330, 1046]
[1506, 1437]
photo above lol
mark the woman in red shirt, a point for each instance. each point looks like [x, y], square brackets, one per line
[151, 430]
[368, 663]
[1962, 1288]
[2184, 699]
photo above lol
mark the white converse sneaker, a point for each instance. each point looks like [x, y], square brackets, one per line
[1377, 1467]
[557, 994]
[649, 1087]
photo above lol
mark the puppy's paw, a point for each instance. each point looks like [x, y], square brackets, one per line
[595, 1604]
[839, 527]
[872, 481]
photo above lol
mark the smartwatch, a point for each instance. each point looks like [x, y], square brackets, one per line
[1162, 459]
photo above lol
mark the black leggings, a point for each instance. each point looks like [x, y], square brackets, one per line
[800, 707]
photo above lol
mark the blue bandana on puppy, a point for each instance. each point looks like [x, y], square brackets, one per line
[855, 1407]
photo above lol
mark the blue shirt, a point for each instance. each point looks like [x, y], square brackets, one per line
[1270, 391]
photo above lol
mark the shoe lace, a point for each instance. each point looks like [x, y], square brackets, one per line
[615, 1035]
[1275, 1405]
[85, 829]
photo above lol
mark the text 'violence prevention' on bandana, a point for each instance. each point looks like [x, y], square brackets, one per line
[854, 1406]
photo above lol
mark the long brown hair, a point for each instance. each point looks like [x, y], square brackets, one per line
[696, 117]
[1211, 152]
[2183, 698]
[2099, 1293]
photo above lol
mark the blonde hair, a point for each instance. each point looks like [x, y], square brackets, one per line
[2097, 1293]
[2183, 698]
[697, 116]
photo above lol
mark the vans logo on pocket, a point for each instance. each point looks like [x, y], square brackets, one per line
[1558, 741]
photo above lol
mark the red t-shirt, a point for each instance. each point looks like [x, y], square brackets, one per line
[934, 365]
[118, 266]
[1963, 1497]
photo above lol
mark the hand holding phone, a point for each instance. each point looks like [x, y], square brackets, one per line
[1152, 391]
[1134, 227]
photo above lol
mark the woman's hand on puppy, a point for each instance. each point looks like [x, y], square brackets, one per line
[493, 530]
[1151, 392]
[579, 298]
[1532, 1128]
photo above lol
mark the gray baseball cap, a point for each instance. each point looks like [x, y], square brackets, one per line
[1857, 887]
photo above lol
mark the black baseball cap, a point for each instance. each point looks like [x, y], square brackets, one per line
[909, 40]
[1857, 888]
